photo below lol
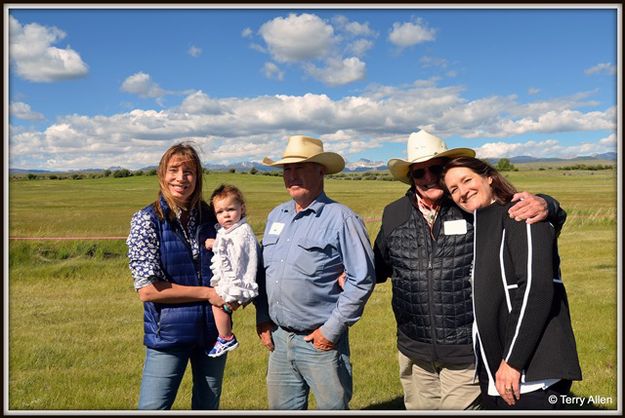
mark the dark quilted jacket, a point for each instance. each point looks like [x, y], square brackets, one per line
[168, 325]
[430, 281]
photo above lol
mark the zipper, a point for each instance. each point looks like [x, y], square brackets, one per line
[430, 274]
[430, 243]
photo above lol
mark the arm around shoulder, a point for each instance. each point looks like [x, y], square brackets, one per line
[556, 215]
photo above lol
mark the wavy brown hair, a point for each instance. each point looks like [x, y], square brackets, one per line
[503, 190]
[188, 153]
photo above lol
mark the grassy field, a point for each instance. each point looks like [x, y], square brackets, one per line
[75, 322]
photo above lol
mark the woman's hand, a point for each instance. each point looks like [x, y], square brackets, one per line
[230, 306]
[507, 382]
[213, 298]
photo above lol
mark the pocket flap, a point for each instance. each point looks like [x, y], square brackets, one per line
[270, 240]
[312, 244]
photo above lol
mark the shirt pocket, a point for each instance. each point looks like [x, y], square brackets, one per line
[269, 247]
[313, 256]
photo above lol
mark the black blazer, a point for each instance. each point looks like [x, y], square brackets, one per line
[520, 304]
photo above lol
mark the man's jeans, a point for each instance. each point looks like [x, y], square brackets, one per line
[296, 367]
[163, 371]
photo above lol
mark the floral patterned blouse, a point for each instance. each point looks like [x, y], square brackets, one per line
[144, 248]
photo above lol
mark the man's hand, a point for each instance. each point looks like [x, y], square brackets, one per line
[320, 342]
[341, 280]
[529, 208]
[507, 382]
[264, 333]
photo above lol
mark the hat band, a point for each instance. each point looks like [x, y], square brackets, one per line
[424, 157]
[298, 156]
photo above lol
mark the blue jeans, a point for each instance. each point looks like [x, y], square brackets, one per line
[163, 371]
[296, 367]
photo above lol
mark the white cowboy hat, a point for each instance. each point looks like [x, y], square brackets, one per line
[303, 149]
[423, 146]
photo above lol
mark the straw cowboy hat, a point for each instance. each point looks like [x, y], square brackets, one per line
[423, 146]
[303, 149]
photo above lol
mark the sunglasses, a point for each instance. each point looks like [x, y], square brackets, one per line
[418, 173]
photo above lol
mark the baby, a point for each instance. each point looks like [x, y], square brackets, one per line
[234, 262]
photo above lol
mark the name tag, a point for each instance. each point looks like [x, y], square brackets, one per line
[276, 228]
[458, 227]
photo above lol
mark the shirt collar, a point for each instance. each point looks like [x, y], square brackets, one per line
[232, 227]
[315, 206]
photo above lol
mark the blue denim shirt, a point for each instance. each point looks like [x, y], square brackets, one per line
[303, 254]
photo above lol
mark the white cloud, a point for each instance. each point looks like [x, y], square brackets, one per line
[428, 61]
[246, 33]
[142, 85]
[506, 149]
[338, 72]
[272, 71]
[258, 47]
[532, 91]
[34, 57]
[610, 140]
[604, 68]
[353, 28]
[254, 127]
[199, 103]
[194, 51]
[297, 37]
[359, 47]
[329, 52]
[537, 149]
[410, 33]
[348, 141]
[22, 110]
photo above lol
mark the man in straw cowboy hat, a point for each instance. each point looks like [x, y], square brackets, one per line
[425, 245]
[302, 314]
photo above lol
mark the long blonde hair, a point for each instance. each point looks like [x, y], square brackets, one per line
[186, 151]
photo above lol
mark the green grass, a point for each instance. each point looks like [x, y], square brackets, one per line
[75, 322]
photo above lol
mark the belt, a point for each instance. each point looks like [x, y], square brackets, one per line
[295, 331]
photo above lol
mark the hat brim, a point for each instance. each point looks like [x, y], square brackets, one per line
[399, 168]
[332, 162]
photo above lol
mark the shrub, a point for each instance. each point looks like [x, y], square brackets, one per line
[504, 164]
[122, 173]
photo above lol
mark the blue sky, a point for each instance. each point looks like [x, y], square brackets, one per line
[95, 88]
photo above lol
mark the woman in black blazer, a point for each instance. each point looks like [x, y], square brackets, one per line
[522, 332]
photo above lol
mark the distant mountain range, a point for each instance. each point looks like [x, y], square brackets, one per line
[356, 166]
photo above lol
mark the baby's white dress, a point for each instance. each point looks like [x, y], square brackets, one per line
[234, 263]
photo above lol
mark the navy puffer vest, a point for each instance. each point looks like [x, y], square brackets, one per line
[169, 325]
